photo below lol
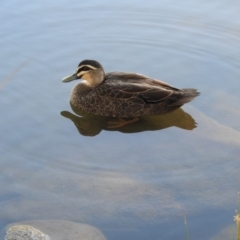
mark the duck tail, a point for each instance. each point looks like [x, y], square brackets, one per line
[186, 95]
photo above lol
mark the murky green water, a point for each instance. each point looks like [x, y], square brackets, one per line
[137, 182]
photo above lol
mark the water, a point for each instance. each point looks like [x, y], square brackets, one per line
[138, 182]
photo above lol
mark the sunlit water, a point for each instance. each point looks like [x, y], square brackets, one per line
[140, 181]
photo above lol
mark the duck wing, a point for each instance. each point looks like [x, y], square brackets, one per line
[129, 86]
[148, 93]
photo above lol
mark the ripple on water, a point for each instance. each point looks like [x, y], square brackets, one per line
[170, 31]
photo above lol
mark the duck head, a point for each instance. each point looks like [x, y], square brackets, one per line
[89, 70]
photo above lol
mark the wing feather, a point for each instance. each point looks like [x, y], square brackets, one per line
[130, 89]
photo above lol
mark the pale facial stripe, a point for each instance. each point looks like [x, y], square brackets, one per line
[89, 66]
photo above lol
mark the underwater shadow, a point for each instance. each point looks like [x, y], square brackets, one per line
[91, 125]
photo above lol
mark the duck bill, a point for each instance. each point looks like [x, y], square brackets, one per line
[70, 78]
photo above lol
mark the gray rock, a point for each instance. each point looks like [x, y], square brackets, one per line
[25, 232]
[52, 230]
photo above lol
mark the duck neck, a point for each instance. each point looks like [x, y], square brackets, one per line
[94, 78]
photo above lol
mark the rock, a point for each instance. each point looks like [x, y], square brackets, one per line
[52, 230]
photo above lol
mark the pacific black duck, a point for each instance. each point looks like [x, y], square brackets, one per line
[124, 95]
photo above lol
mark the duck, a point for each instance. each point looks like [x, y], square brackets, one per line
[123, 95]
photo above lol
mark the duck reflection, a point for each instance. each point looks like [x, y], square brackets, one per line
[91, 125]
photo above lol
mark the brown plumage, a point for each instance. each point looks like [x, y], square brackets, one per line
[124, 95]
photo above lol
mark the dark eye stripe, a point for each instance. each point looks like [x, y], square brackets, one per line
[85, 68]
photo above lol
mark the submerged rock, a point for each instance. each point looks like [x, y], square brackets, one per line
[25, 232]
[52, 230]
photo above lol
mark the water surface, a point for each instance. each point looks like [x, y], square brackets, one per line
[140, 181]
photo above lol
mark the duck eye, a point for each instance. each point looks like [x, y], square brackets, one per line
[84, 68]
